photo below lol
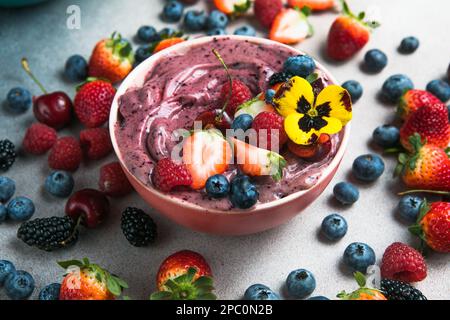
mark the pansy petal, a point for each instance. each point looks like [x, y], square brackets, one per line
[295, 133]
[335, 102]
[296, 95]
[333, 126]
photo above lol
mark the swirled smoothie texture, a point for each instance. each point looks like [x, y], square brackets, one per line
[178, 89]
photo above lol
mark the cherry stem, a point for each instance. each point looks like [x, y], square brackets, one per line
[27, 69]
[230, 79]
[444, 193]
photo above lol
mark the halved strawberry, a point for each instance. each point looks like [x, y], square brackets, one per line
[166, 43]
[256, 162]
[291, 26]
[205, 154]
[233, 7]
[254, 107]
[315, 5]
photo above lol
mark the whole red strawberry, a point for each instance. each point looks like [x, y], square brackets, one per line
[189, 276]
[111, 59]
[240, 93]
[415, 99]
[65, 154]
[270, 129]
[348, 34]
[168, 175]
[433, 226]
[267, 10]
[403, 263]
[431, 122]
[113, 181]
[38, 139]
[96, 143]
[93, 102]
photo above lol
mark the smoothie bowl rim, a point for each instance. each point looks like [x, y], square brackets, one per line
[133, 80]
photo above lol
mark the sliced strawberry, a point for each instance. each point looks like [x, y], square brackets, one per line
[314, 5]
[290, 26]
[256, 162]
[233, 7]
[254, 107]
[205, 154]
[166, 43]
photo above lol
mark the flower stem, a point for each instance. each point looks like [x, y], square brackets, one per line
[444, 193]
[230, 79]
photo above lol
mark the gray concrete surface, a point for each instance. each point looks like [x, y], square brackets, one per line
[40, 34]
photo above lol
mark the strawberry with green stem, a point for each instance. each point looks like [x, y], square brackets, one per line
[233, 8]
[364, 292]
[291, 26]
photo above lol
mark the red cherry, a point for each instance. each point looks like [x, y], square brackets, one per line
[53, 109]
[89, 204]
[215, 119]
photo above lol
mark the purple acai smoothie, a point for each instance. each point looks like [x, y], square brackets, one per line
[179, 88]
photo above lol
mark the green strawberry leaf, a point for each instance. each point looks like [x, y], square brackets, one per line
[113, 286]
[172, 284]
[86, 262]
[312, 77]
[360, 279]
[424, 208]
[161, 295]
[243, 7]
[120, 282]
[416, 230]
[203, 282]
[306, 11]
[207, 296]
[70, 263]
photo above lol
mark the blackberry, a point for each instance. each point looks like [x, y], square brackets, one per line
[7, 154]
[49, 233]
[138, 227]
[397, 290]
[279, 77]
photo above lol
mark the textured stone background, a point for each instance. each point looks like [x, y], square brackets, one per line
[40, 34]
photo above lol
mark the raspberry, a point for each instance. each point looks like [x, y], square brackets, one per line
[270, 121]
[267, 10]
[403, 263]
[38, 139]
[96, 143]
[93, 103]
[168, 175]
[240, 94]
[113, 181]
[65, 155]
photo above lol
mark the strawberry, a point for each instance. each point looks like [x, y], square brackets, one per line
[314, 5]
[290, 26]
[256, 162]
[348, 34]
[431, 122]
[315, 152]
[38, 139]
[87, 281]
[96, 143]
[205, 154]
[240, 93]
[233, 7]
[267, 10]
[167, 43]
[414, 99]
[184, 275]
[93, 102]
[270, 129]
[111, 59]
[364, 292]
[433, 226]
[168, 175]
[427, 167]
[254, 107]
[65, 155]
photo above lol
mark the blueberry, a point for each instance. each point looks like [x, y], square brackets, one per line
[147, 34]
[368, 168]
[440, 89]
[7, 189]
[60, 184]
[260, 292]
[409, 207]
[300, 283]
[195, 20]
[76, 68]
[270, 94]
[334, 227]
[173, 11]
[50, 292]
[301, 66]
[142, 53]
[216, 32]
[6, 267]
[319, 298]
[375, 60]
[3, 213]
[346, 193]
[386, 136]
[245, 31]
[216, 19]
[217, 186]
[395, 86]
[359, 256]
[409, 45]
[19, 285]
[354, 88]
[19, 100]
[20, 209]
[244, 194]
[243, 122]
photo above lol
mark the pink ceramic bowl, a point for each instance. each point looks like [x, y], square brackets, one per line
[238, 222]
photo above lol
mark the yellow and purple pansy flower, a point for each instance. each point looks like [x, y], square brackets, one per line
[308, 116]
